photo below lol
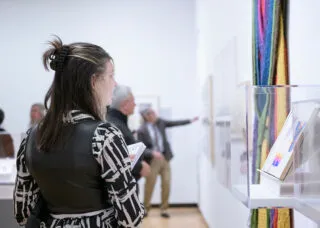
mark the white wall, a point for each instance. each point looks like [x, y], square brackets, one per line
[223, 31]
[304, 45]
[152, 42]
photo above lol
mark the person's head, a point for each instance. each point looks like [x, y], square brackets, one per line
[37, 112]
[123, 100]
[149, 115]
[1, 116]
[83, 80]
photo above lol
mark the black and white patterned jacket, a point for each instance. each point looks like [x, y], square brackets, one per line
[111, 154]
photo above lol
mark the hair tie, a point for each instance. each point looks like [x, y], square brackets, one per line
[58, 59]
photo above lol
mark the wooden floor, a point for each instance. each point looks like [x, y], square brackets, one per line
[180, 218]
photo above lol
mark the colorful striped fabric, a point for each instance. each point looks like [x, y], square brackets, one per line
[270, 67]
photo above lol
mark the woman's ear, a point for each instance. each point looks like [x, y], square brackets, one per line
[93, 81]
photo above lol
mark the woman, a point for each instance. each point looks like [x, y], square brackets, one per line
[37, 112]
[78, 163]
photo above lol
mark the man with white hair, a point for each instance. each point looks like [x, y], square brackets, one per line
[121, 107]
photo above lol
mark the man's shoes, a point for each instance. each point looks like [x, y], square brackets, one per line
[165, 215]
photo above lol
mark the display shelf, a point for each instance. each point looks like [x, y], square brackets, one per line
[261, 197]
[277, 129]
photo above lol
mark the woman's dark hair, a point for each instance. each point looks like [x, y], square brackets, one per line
[1, 116]
[74, 65]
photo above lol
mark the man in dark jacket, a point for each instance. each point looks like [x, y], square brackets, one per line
[123, 106]
[152, 133]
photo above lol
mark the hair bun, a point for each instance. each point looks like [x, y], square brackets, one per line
[58, 59]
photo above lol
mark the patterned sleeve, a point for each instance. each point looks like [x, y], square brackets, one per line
[26, 190]
[110, 150]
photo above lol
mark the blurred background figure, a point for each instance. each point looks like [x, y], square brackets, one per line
[122, 106]
[6, 142]
[152, 133]
[1, 120]
[37, 112]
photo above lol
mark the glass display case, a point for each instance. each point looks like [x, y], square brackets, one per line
[273, 137]
[306, 162]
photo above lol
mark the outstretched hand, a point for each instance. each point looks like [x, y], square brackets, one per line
[195, 119]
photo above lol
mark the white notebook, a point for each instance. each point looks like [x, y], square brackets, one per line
[136, 149]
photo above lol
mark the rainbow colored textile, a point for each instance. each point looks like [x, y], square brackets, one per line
[270, 67]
